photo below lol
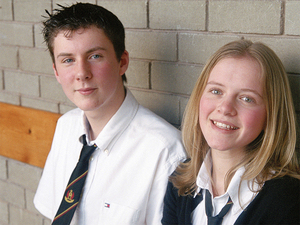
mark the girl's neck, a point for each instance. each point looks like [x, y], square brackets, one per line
[222, 163]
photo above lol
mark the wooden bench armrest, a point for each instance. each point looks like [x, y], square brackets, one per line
[26, 134]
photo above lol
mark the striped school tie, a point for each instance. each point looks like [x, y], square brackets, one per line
[72, 193]
[216, 220]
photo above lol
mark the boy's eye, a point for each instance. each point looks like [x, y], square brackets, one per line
[67, 60]
[95, 56]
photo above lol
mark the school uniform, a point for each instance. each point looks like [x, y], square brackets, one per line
[128, 172]
[277, 203]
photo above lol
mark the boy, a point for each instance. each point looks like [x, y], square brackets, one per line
[135, 150]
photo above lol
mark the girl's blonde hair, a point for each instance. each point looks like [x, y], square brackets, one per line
[272, 153]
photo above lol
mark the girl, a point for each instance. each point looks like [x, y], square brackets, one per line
[240, 135]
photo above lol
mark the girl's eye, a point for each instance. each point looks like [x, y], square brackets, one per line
[215, 92]
[247, 99]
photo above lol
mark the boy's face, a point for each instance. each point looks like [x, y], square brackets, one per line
[88, 70]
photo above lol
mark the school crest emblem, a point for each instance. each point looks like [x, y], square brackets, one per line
[69, 198]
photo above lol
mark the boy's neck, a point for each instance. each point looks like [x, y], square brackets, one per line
[100, 117]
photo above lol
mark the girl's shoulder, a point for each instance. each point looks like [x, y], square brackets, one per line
[278, 202]
[282, 184]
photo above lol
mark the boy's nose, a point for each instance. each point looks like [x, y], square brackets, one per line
[83, 71]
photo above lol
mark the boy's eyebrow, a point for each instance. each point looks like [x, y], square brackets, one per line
[63, 54]
[96, 49]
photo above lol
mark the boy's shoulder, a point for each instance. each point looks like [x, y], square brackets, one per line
[148, 120]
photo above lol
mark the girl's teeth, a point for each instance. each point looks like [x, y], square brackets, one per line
[222, 125]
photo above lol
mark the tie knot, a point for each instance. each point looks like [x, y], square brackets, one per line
[87, 150]
[217, 220]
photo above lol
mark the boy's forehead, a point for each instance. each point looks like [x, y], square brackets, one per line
[68, 33]
[81, 39]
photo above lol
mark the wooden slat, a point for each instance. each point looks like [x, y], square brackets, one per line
[26, 134]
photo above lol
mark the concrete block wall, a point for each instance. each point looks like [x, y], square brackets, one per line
[18, 182]
[169, 42]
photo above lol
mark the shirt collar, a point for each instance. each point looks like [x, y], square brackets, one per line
[115, 126]
[235, 188]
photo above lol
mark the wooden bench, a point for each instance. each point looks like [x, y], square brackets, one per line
[26, 134]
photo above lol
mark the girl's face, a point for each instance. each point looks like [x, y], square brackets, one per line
[232, 111]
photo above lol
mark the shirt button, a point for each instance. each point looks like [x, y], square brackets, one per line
[106, 151]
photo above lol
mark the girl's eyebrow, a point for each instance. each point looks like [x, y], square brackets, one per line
[215, 83]
[243, 89]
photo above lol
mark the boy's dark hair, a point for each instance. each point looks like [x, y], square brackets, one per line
[84, 15]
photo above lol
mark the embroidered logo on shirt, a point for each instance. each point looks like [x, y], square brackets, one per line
[106, 205]
[69, 198]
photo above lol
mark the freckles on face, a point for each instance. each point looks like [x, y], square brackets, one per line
[232, 111]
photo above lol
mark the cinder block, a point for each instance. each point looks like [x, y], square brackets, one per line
[1, 80]
[30, 10]
[6, 10]
[133, 14]
[8, 57]
[29, 195]
[3, 168]
[70, 2]
[164, 105]
[46, 221]
[292, 17]
[38, 37]
[177, 15]
[35, 60]
[183, 101]
[152, 45]
[12, 193]
[197, 48]
[51, 89]
[39, 103]
[174, 78]
[9, 97]
[21, 216]
[21, 83]
[287, 49]
[138, 74]
[298, 136]
[262, 17]
[295, 87]
[63, 108]
[24, 174]
[3, 212]
[16, 34]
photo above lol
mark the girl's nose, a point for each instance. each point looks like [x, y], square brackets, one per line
[227, 107]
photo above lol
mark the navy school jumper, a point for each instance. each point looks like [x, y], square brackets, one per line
[278, 203]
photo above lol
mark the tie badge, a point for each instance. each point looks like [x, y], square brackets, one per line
[69, 198]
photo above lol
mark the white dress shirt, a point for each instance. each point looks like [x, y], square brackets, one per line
[128, 172]
[240, 197]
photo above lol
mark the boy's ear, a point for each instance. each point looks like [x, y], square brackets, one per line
[124, 62]
[55, 73]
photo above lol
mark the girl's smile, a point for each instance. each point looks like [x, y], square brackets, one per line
[232, 110]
